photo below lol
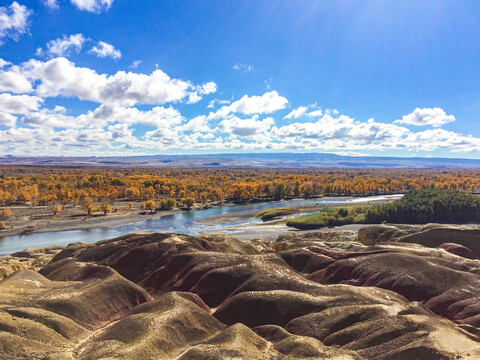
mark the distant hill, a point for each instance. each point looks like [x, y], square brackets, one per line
[249, 160]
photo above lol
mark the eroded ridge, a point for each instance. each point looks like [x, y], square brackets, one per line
[167, 296]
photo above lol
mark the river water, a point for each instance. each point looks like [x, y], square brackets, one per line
[187, 222]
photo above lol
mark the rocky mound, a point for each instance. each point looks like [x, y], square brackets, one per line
[447, 284]
[166, 296]
[32, 259]
[430, 235]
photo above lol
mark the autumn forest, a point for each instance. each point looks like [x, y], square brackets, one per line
[40, 186]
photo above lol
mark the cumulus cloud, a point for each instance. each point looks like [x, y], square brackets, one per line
[297, 113]
[342, 128]
[19, 104]
[15, 82]
[63, 47]
[207, 88]
[159, 116]
[4, 63]
[13, 21]
[246, 127]
[121, 132]
[247, 123]
[103, 115]
[315, 113]
[434, 139]
[94, 6]
[103, 49]
[60, 76]
[55, 118]
[428, 116]
[197, 124]
[11, 105]
[52, 4]
[265, 104]
[302, 111]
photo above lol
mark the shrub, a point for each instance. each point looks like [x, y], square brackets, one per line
[343, 212]
[188, 202]
[328, 217]
[5, 213]
[168, 204]
[56, 208]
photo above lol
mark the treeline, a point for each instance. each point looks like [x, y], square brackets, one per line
[329, 217]
[428, 205]
[43, 186]
[415, 207]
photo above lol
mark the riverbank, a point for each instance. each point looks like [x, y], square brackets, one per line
[251, 215]
[40, 219]
[245, 225]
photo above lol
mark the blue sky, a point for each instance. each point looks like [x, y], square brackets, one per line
[103, 77]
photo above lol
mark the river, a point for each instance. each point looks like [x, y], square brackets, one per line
[187, 222]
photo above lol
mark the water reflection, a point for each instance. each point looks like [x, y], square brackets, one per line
[183, 223]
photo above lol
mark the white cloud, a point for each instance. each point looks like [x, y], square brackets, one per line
[18, 104]
[11, 105]
[246, 127]
[95, 6]
[63, 47]
[315, 113]
[11, 81]
[4, 63]
[102, 116]
[13, 21]
[265, 104]
[55, 118]
[109, 128]
[242, 67]
[213, 102]
[268, 83]
[164, 138]
[302, 111]
[135, 64]
[351, 153]
[60, 76]
[428, 116]
[121, 132]
[207, 88]
[433, 139]
[7, 119]
[197, 124]
[103, 49]
[52, 4]
[342, 128]
[159, 116]
[297, 113]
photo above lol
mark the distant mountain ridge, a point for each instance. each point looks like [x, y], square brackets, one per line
[246, 160]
